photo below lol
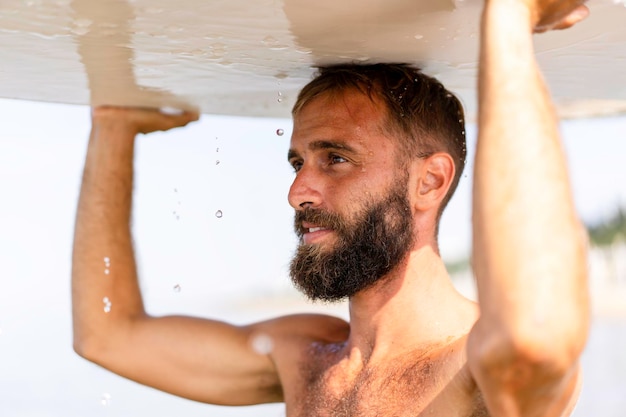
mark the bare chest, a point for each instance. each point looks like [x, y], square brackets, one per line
[406, 386]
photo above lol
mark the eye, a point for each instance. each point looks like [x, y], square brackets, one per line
[296, 165]
[336, 159]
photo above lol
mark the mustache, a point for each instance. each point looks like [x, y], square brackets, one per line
[319, 217]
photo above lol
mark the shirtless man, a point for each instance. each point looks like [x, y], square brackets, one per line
[364, 190]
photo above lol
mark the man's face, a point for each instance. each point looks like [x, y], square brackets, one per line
[353, 215]
[368, 246]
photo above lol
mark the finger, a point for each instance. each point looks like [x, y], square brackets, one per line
[189, 115]
[573, 17]
[167, 122]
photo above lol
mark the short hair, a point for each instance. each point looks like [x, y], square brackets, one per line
[427, 117]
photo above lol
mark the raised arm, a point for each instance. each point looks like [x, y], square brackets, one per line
[529, 246]
[203, 360]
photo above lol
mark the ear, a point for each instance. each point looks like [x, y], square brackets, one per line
[435, 174]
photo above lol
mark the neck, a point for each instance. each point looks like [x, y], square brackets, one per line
[414, 307]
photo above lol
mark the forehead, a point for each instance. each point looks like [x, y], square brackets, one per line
[347, 116]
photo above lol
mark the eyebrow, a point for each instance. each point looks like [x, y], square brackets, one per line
[322, 144]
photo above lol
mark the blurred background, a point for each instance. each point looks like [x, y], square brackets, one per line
[213, 235]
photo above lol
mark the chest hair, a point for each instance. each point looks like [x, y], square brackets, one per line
[412, 385]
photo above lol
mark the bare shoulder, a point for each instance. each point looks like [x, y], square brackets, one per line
[301, 329]
[288, 340]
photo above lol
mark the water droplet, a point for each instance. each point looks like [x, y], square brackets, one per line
[106, 272]
[280, 132]
[280, 95]
[419, 36]
[217, 149]
[83, 23]
[177, 288]
[217, 162]
[106, 399]
[80, 31]
[262, 344]
[304, 51]
[107, 304]
[269, 40]
[219, 214]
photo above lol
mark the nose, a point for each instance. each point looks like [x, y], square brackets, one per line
[305, 189]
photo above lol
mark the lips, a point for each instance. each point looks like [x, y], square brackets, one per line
[312, 232]
[312, 225]
[308, 227]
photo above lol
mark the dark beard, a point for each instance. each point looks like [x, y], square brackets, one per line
[365, 250]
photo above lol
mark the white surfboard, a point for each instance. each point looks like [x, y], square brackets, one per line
[250, 57]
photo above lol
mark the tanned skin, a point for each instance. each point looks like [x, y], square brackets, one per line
[413, 345]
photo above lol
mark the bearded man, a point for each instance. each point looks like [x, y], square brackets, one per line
[378, 151]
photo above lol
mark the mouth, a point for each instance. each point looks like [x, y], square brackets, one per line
[312, 233]
[315, 226]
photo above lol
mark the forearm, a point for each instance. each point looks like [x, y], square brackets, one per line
[529, 247]
[105, 291]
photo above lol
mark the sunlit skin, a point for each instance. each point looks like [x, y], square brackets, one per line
[413, 346]
[340, 156]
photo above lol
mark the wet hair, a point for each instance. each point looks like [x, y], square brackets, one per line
[425, 116]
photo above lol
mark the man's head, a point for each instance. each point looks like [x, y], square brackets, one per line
[367, 148]
[423, 115]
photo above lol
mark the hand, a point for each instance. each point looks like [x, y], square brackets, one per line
[556, 14]
[141, 120]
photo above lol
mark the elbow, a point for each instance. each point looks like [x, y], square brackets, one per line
[99, 342]
[528, 359]
[87, 348]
